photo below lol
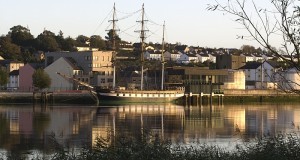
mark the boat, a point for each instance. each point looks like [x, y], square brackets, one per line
[121, 94]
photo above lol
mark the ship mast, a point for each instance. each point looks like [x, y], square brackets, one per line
[163, 59]
[114, 20]
[142, 36]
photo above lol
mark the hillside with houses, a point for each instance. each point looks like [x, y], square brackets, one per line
[90, 60]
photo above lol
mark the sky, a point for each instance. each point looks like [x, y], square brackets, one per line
[187, 22]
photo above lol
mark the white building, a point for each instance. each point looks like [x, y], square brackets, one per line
[97, 65]
[213, 57]
[235, 80]
[171, 56]
[289, 80]
[65, 67]
[188, 58]
[152, 55]
[260, 75]
[202, 57]
[249, 57]
[13, 80]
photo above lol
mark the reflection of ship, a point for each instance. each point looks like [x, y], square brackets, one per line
[132, 120]
[145, 96]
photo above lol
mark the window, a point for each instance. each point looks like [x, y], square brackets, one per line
[109, 80]
[102, 80]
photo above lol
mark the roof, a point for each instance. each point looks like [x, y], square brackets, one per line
[14, 72]
[274, 64]
[8, 61]
[251, 65]
[72, 62]
[204, 55]
[191, 55]
[36, 65]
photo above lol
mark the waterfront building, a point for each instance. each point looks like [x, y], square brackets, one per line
[13, 80]
[227, 61]
[260, 75]
[11, 65]
[202, 79]
[289, 79]
[25, 75]
[95, 65]
[63, 66]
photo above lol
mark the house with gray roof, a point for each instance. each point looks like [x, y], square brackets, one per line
[260, 75]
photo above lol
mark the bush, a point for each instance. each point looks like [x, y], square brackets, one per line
[151, 147]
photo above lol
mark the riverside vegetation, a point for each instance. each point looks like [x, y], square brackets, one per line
[148, 147]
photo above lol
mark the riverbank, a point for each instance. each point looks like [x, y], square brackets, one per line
[85, 97]
[56, 98]
[259, 95]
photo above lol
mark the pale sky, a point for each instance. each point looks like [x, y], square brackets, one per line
[187, 22]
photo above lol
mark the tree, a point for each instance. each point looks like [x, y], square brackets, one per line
[277, 20]
[41, 79]
[111, 38]
[82, 41]
[21, 35]
[248, 49]
[46, 41]
[8, 49]
[68, 44]
[97, 42]
[3, 77]
[65, 44]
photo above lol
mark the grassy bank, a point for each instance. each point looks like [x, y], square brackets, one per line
[148, 147]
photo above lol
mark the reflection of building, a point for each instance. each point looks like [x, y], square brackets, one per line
[237, 118]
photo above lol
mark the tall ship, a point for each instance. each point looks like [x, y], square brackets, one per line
[122, 94]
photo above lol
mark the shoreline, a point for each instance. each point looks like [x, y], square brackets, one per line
[54, 98]
[83, 97]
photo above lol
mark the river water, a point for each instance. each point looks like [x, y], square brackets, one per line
[27, 128]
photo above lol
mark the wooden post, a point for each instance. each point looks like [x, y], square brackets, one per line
[34, 97]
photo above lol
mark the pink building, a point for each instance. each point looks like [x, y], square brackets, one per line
[25, 76]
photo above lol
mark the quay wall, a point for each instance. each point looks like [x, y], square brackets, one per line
[245, 96]
[255, 92]
[56, 98]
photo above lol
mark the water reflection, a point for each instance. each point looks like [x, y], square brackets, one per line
[133, 120]
[24, 128]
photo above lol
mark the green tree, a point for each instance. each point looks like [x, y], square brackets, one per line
[8, 49]
[69, 44]
[97, 42]
[111, 38]
[3, 77]
[82, 41]
[46, 41]
[21, 35]
[248, 49]
[41, 79]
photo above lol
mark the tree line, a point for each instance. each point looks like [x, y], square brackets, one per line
[19, 44]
